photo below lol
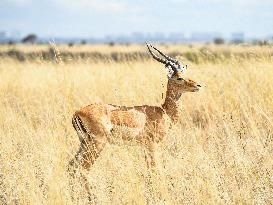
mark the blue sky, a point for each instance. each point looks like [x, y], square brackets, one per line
[97, 18]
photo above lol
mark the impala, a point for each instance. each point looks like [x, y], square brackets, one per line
[98, 124]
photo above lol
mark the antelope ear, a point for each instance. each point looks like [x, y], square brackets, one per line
[184, 68]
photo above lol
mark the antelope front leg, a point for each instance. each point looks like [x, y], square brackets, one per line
[149, 156]
[150, 162]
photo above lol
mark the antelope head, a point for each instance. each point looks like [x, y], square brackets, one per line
[176, 72]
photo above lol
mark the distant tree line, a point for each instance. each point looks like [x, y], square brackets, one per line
[32, 38]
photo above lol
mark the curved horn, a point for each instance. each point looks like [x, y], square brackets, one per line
[167, 57]
[167, 63]
[155, 56]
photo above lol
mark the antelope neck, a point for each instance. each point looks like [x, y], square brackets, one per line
[171, 103]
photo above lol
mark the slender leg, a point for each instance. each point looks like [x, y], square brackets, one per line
[150, 161]
[149, 157]
[92, 151]
[85, 158]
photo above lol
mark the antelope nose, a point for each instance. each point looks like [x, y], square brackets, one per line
[199, 86]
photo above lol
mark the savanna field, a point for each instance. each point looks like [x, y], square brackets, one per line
[220, 152]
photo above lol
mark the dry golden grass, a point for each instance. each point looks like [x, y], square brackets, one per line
[219, 153]
[106, 49]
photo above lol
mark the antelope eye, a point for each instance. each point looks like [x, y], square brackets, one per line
[179, 78]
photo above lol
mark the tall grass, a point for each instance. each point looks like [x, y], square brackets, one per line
[219, 153]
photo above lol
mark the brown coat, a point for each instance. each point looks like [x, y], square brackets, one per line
[98, 124]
